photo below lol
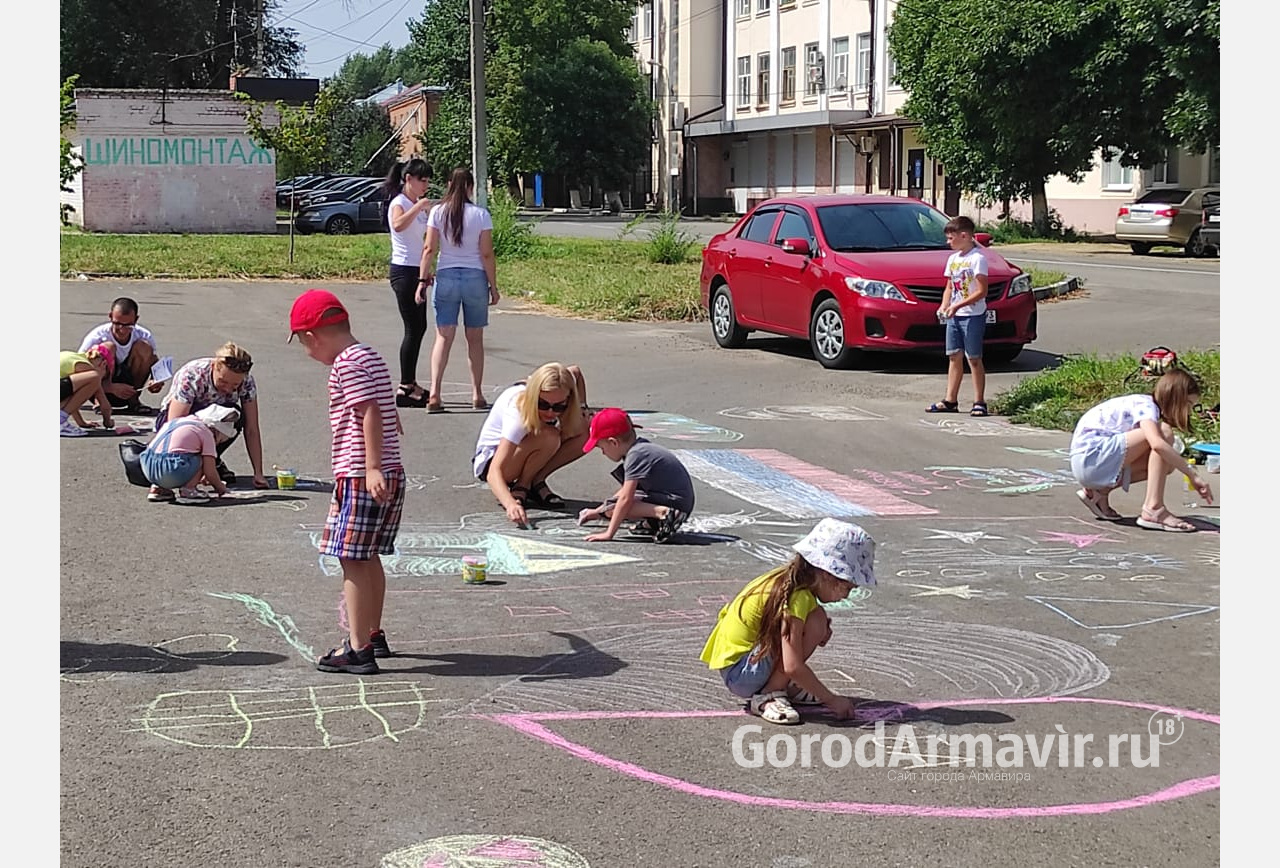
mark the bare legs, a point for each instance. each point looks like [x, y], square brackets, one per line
[440, 360]
[955, 374]
[817, 630]
[364, 587]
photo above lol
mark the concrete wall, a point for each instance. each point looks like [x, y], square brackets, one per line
[179, 161]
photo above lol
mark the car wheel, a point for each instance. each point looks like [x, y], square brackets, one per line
[1141, 248]
[339, 224]
[724, 322]
[1002, 354]
[1196, 246]
[827, 336]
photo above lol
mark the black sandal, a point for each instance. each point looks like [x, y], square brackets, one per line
[404, 397]
[520, 493]
[943, 407]
[542, 496]
[979, 409]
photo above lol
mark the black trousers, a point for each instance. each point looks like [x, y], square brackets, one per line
[404, 283]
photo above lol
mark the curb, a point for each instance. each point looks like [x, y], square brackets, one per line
[1071, 284]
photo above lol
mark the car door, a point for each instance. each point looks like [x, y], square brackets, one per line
[784, 289]
[745, 263]
[370, 217]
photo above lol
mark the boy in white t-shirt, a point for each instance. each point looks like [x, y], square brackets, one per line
[964, 310]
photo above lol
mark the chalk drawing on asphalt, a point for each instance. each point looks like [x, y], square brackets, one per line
[1092, 613]
[268, 617]
[794, 488]
[1062, 452]
[484, 851]
[671, 426]
[965, 536]
[192, 648]
[909, 656]
[962, 592]
[1002, 480]
[984, 428]
[323, 717]
[799, 413]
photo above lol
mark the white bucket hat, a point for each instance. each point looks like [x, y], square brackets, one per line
[845, 550]
[221, 419]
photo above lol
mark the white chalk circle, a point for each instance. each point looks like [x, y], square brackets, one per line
[954, 573]
[1051, 577]
[913, 574]
[484, 851]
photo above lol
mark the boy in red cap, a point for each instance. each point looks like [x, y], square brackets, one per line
[368, 479]
[656, 489]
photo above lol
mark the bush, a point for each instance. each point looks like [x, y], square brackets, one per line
[667, 244]
[513, 238]
[1011, 230]
[1056, 398]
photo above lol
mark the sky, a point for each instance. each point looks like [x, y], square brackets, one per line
[333, 29]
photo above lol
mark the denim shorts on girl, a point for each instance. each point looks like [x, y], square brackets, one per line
[965, 333]
[466, 288]
[358, 527]
[169, 469]
[1098, 462]
[744, 678]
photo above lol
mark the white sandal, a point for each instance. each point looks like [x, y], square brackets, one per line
[799, 696]
[775, 707]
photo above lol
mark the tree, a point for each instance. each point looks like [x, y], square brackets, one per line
[171, 43]
[299, 135]
[357, 132]
[1008, 100]
[362, 75]
[69, 164]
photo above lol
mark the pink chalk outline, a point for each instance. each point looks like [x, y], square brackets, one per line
[530, 726]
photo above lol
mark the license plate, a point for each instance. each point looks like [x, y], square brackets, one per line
[991, 316]
[1213, 218]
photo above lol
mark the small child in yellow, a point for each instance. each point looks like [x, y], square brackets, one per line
[764, 638]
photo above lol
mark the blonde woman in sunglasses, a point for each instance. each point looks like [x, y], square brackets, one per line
[533, 429]
[222, 379]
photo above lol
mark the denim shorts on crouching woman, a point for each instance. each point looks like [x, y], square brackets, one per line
[744, 678]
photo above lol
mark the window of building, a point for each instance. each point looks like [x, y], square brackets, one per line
[862, 63]
[788, 92]
[840, 64]
[743, 8]
[814, 73]
[744, 82]
[1114, 175]
[892, 67]
[762, 6]
[786, 4]
[633, 28]
[762, 79]
[1165, 171]
[647, 32]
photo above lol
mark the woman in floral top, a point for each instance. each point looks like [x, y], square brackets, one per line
[223, 379]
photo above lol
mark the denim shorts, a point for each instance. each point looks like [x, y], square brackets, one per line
[965, 333]
[746, 679]
[1098, 462]
[169, 469]
[466, 288]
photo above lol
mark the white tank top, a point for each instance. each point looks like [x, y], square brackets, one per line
[406, 246]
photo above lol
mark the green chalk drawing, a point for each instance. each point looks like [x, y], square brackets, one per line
[267, 616]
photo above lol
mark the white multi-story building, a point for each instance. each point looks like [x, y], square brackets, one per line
[760, 97]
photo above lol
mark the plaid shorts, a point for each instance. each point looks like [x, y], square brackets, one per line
[358, 527]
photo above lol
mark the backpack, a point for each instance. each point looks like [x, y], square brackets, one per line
[1155, 362]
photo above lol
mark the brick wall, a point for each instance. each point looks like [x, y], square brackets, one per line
[179, 161]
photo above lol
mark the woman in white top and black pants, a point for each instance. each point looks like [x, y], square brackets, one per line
[465, 278]
[407, 217]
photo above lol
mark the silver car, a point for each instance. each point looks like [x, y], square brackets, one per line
[1164, 217]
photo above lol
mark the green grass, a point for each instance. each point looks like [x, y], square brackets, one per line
[603, 279]
[1056, 398]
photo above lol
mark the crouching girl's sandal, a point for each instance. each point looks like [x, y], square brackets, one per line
[775, 707]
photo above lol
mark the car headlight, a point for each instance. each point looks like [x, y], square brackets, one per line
[875, 289]
[1019, 285]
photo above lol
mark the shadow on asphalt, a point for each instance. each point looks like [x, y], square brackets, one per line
[869, 712]
[1028, 361]
[81, 657]
[583, 660]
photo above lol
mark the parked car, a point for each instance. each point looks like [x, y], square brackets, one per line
[302, 185]
[367, 213]
[850, 274]
[347, 190]
[1164, 217]
[1210, 234]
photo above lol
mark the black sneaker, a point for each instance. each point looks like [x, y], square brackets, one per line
[378, 639]
[224, 472]
[354, 662]
[669, 524]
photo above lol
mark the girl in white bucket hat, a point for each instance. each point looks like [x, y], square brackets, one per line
[763, 639]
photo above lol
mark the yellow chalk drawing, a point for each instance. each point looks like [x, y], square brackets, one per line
[302, 718]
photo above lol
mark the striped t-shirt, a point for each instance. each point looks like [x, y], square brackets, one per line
[359, 374]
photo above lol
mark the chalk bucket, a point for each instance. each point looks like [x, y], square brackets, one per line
[286, 479]
[474, 570]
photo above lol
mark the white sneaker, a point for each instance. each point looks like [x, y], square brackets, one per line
[67, 428]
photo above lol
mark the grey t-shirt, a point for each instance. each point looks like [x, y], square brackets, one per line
[659, 473]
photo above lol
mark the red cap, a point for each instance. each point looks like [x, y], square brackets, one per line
[609, 422]
[309, 311]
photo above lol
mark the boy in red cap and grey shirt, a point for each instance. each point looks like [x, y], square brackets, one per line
[368, 484]
[656, 488]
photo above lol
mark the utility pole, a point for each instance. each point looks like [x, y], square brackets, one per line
[258, 68]
[479, 136]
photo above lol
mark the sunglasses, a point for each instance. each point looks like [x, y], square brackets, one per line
[123, 325]
[555, 408]
[237, 365]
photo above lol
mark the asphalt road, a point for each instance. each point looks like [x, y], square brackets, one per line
[559, 715]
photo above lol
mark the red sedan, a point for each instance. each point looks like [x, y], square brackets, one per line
[851, 273]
